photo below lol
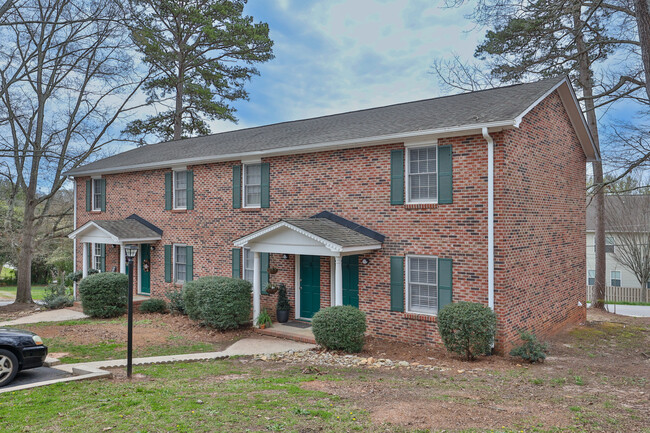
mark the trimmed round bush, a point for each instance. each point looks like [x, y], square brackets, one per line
[104, 294]
[153, 306]
[340, 328]
[467, 328]
[220, 302]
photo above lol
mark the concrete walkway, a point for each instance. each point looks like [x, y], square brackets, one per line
[95, 370]
[46, 316]
[629, 310]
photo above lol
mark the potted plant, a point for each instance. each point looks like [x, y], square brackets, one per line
[264, 319]
[271, 288]
[283, 307]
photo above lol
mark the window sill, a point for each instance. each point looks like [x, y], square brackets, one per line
[251, 209]
[179, 210]
[95, 211]
[421, 206]
[422, 317]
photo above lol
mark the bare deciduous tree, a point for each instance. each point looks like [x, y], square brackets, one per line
[628, 222]
[66, 78]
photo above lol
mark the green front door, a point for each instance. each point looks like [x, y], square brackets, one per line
[145, 269]
[351, 280]
[309, 286]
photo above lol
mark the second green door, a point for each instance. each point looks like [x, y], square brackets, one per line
[309, 286]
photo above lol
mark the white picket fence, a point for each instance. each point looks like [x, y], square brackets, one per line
[619, 294]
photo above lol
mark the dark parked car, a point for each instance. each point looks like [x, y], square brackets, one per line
[19, 350]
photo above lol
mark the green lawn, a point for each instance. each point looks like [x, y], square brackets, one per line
[9, 292]
[223, 396]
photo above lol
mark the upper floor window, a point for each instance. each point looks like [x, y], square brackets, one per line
[422, 284]
[252, 185]
[180, 190]
[591, 277]
[615, 279]
[97, 194]
[422, 176]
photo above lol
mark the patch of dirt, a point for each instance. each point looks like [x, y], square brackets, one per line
[15, 311]
[148, 330]
[119, 375]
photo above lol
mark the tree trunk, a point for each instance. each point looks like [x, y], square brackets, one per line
[586, 82]
[25, 255]
[642, 12]
[178, 110]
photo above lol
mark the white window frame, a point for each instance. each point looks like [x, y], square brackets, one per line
[611, 278]
[245, 203]
[407, 174]
[407, 279]
[97, 257]
[610, 242]
[174, 271]
[95, 194]
[591, 272]
[174, 174]
[244, 269]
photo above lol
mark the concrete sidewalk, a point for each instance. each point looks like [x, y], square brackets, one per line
[244, 347]
[46, 316]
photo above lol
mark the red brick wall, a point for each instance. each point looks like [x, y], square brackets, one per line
[355, 184]
[540, 225]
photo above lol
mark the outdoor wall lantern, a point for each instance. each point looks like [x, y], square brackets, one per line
[130, 251]
[285, 256]
[365, 261]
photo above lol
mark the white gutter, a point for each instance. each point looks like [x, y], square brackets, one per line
[74, 243]
[490, 143]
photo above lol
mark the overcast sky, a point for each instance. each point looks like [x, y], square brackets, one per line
[333, 56]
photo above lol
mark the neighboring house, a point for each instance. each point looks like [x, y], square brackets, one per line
[398, 210]
[617, 274]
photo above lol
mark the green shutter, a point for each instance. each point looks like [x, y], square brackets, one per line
[89, 195]
[445, 183]
[189, 265]
[444, 282]
[168, 192]
[266, 185]
[102, 248]
[264, 271]
[397, 176]
[190, 189]
[236, 263]
[236, 186]
[89, 255]
[397, 284]
[102, 183]
[168, 263]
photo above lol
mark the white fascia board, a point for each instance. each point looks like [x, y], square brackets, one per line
[140, 240]
[245, 240]
[429, 134]
[91, 224]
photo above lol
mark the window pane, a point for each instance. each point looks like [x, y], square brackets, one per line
[180, 259]
[97, 194]
[423, 178]
[253, 195]
[252, 185]
[253, 174]
[423, 284]
[180, 189]
[248, 265]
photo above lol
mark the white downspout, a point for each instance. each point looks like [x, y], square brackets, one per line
[490, 143]
[74, 243]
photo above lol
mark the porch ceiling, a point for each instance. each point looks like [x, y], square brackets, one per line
[309, 236]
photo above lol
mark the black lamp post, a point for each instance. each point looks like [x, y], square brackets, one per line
[130, 251]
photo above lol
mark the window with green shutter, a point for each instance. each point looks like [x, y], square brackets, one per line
[236, 263]
[397, 283]
[428, 284]
[236, 186]
[168, 263]
[89, 195]
[190, 190]
[168, 193]
[397, 176]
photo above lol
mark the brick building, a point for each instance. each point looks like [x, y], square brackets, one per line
[398, 210]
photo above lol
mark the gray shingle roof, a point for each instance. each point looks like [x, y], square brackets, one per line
[487, 106]
[127, 229]
[622, 213]
[332, 232]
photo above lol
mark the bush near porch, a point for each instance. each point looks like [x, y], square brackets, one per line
[340, 328]
[220, 302]
[104, 295]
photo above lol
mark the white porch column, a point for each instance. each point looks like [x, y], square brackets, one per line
[338, 274]
[257, 290]
[122, 259]
[84, 258]
[297, 285]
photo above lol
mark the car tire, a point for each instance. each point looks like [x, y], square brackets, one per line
[8, 367]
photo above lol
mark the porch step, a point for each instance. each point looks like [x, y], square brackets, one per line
[271, 332]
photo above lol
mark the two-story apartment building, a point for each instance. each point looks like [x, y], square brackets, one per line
[398, 210]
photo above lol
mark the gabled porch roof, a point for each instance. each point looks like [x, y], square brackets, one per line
[130, 230]
[324, 234]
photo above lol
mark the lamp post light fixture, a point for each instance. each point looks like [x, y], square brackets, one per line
[130, 251]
